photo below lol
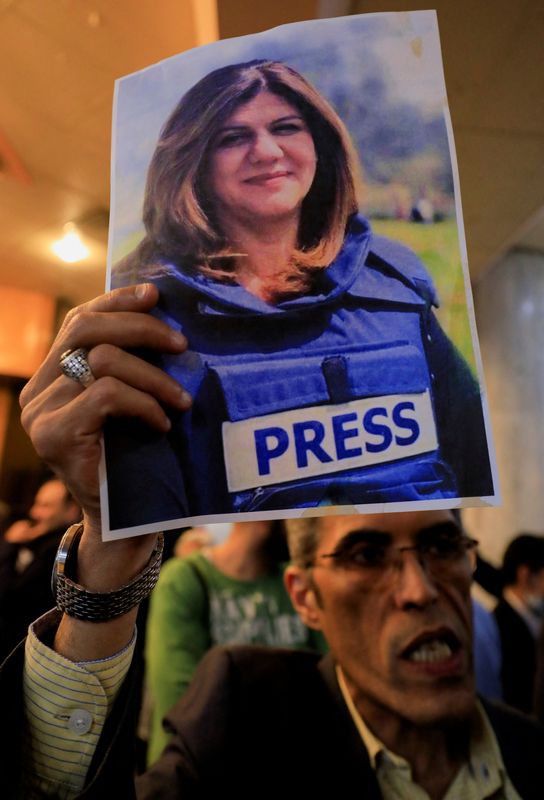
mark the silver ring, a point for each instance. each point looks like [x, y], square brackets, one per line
[74, 365]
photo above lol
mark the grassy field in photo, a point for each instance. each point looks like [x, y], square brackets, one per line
[437, 246]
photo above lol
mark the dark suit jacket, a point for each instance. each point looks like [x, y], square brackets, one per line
[25, 595]
[518, 658]
[266, 723]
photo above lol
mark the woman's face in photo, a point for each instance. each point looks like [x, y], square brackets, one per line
[262, 162]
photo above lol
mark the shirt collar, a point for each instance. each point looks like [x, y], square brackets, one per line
[372, 743]
[485, 763]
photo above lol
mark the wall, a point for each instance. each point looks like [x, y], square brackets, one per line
[241, 17]
[509, 302]
[26, 329]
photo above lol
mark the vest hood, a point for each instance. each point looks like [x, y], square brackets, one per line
[353, 271]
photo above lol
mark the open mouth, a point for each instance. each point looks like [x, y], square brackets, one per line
[432, 648]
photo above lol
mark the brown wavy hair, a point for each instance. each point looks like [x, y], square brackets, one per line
[178, 213]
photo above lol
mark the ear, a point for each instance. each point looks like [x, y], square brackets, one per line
[303, 596]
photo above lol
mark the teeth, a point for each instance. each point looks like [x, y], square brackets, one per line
[436, 650]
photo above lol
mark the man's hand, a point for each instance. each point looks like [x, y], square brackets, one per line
[65, 423]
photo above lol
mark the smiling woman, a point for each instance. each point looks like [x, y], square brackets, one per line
[318, 371]
[255, 146]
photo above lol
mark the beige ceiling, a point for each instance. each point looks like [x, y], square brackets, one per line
[59, 59]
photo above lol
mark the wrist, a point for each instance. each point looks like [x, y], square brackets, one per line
[106, 566]
[93, 586]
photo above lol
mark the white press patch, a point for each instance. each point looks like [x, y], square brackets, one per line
[305, 442]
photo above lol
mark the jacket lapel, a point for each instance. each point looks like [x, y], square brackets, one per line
[351, 755]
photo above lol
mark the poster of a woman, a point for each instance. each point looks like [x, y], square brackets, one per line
[321, 377]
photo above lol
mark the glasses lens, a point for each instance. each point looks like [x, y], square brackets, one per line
[364, 555]
[445, 548]
[440, 553]
[449, 554]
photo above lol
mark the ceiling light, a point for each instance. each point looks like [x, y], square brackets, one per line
[70, 248]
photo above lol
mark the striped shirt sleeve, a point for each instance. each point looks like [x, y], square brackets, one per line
[66, 705]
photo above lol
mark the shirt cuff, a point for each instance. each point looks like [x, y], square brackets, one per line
[66, 706]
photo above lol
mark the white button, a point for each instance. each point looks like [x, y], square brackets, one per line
[429, 337]
[80, 721]
[433, 376]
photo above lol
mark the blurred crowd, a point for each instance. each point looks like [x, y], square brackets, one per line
[27, 552]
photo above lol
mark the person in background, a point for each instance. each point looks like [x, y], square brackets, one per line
[230, 593]
[519, 616]
[27, 553]
[487, 652]
[191, 541]
[487, 642]
[5, 514]
[489, 577]
[539, 679]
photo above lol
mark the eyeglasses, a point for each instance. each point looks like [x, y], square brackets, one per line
[375, 557]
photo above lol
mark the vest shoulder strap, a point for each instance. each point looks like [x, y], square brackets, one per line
[408, 267]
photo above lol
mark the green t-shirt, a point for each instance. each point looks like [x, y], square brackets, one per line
[195, 606]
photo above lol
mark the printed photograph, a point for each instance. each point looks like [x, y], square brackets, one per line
[294, 197]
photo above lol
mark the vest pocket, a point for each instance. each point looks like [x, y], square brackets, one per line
[335, 429]
[426, 478]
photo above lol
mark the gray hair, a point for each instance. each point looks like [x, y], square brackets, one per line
[302, 539]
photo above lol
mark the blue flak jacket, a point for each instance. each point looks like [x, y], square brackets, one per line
[350, 394]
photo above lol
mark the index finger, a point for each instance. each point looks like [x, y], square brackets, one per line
[85, 327]
[139, 297]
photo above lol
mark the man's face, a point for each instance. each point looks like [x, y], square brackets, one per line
[534, 590]
[50, 508]
[403, 637]
[538, 582]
